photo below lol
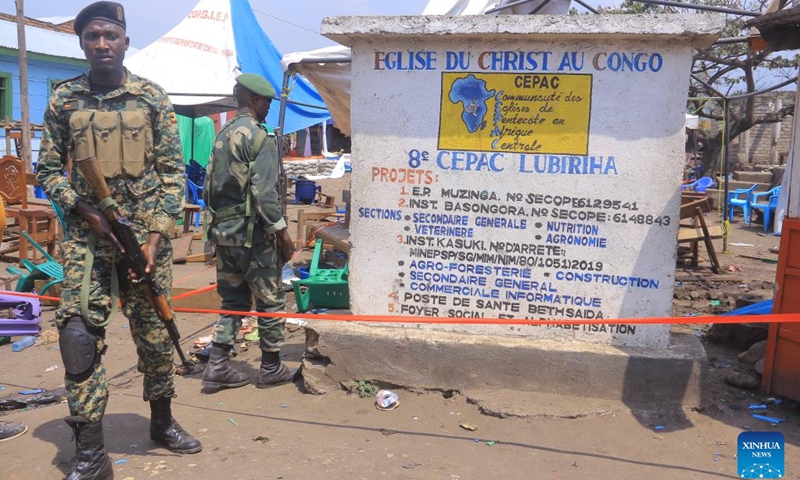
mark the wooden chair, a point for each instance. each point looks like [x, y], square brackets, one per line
[39, 221]
[695, 230]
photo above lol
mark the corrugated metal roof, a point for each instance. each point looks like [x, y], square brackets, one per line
[42, 41]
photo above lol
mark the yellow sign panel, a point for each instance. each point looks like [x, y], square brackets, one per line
[515, 112]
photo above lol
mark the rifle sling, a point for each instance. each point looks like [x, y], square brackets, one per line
[87, 280]
[107, 203]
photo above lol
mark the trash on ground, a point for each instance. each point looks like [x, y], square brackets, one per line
[51, 368]
[411, 465]
[233, 422]
[658, 427]
[386, 400]
[756, 407]
[468, 426]
[715, 303]
[490, 442]
[32, 399]
[48, 336]
[121, 461]
[735, 244]
[387, 432]
[768, 419]
[261, 439]
[253, 336]
[23, 343]
[723, 365]
[31, 392]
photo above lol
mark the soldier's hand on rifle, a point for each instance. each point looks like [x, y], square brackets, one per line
[150, 251]
[286, 245]
[97, 222]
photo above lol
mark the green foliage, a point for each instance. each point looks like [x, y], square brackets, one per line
[363, 388]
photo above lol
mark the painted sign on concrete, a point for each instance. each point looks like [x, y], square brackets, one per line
[499, 173]
[532, 113]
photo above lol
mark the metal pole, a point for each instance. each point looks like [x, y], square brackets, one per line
[284, 99]
[586, 6]
[710, 8]
[23, 87]
[726, 172]
[282, 178]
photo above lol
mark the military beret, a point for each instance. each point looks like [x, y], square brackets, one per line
[256, 84]
[108, 11]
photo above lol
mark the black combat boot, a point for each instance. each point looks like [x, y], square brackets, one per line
[93, 462]
[218, 373]
[273, 372]
[165, 431]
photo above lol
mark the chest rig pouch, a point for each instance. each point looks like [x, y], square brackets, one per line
[118, 139]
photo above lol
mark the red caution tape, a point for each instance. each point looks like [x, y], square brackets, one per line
[770, 318]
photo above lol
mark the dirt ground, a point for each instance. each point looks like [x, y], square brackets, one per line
[282, 433]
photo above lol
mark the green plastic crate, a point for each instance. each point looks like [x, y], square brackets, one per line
[324, 288]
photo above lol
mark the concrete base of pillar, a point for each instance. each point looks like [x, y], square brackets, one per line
[637, 378]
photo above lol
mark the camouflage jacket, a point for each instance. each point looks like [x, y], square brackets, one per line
[151, 201]
[244, 160]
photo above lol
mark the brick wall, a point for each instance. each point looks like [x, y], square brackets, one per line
[754, 146]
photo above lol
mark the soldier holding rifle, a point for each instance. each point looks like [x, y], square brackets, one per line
[122, 128]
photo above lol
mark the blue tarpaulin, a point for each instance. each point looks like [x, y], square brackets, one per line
[256, 53]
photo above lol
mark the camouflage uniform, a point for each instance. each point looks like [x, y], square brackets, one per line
[245, 159]
[151, 201]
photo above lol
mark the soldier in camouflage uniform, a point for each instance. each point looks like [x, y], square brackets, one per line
[247, 226]
[128, 124]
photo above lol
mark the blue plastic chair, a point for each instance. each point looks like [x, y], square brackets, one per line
[741, 198]
[195, 172]
[769, 207]
[700, 185]
[194, 194]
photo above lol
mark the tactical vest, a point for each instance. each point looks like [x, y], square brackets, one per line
[118, 139]
[245, 208]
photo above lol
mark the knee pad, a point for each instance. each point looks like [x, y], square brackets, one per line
[79, 349]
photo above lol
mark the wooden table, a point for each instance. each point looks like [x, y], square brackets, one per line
[336, 235]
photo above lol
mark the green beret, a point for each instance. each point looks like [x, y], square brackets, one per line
[256, 84]
[108, 11]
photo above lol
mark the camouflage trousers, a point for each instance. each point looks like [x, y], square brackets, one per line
[153, 347]
[244, 274]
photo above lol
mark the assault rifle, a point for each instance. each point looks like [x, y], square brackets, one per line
[133, 255]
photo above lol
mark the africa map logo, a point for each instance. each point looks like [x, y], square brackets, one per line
[760, 455]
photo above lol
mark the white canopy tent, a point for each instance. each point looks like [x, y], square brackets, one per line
[206, 58]
[328, 69]
[198, 61]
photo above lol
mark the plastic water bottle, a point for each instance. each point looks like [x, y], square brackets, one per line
[23, 343]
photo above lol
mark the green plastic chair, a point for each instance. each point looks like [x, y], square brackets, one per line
[324, 288]
[50, 270]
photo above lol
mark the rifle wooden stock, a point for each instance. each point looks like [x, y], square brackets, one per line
[90, 170]
[135, 259]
